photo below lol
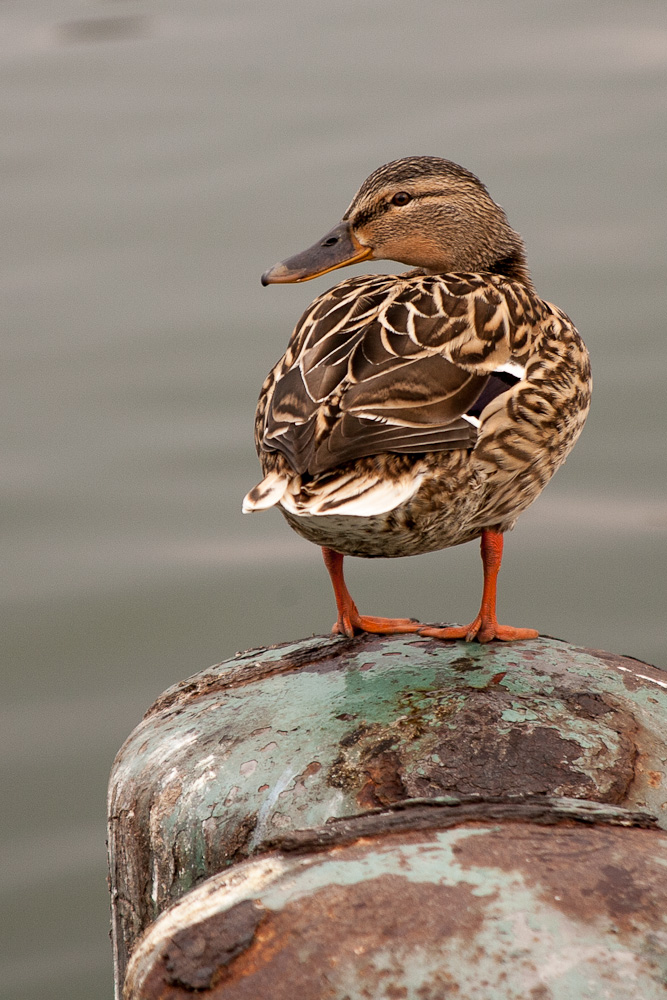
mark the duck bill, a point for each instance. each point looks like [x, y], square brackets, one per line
[337, 249]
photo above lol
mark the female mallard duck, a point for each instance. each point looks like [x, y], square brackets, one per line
[416, 411]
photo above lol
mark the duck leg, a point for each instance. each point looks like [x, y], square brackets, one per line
[349, 620]
[485, 626]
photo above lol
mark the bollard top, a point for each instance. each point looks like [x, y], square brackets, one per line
[304, 735]
[376, 719]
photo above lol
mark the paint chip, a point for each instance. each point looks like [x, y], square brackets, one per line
[231, 795]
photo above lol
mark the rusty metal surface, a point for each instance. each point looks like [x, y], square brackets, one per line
[443, 813]
[284, 739]
[485, 911]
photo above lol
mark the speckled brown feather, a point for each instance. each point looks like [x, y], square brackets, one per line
[477, 322]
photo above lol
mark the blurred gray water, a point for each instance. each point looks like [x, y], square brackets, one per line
[156, 157]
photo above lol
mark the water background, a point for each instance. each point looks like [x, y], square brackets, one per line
[156, 158]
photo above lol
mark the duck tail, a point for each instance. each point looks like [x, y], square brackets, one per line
[267, 493]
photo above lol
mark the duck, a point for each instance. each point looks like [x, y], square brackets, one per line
[416, 411]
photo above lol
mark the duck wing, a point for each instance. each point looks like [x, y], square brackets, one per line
[369, 369]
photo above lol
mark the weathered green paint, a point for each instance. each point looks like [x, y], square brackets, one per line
[286, 738]
[497, 912]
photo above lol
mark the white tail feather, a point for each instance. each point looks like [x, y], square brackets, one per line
[353, 497]
[266, 494]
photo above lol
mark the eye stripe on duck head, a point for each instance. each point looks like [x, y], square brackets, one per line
[385, 203]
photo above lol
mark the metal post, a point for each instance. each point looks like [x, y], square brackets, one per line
[346, 818]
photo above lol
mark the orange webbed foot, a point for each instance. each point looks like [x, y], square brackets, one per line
[351, 623]
[482, 629]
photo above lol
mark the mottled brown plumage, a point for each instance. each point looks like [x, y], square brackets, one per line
[413, 412]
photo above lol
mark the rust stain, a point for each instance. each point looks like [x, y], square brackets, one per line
[164, 801]
[224, 850]
[195, 956]
[522, 761]
[591, 706]
[368, 767]
[469, 749]
[482, 755]
[654, 779]
[292, 950]
[383, 786]
[312, 769]
[589, 873]
[464, 664]
[541, 992]
[299, 787]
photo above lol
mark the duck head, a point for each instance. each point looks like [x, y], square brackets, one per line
[423, 211]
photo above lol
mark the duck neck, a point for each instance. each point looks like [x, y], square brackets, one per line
[513, 266]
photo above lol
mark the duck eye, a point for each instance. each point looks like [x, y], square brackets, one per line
[402, 198]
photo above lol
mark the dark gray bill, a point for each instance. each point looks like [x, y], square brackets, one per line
[336, 249]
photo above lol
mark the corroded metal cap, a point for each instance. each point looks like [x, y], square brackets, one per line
[308, 734]
[490, 910]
